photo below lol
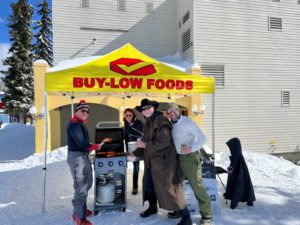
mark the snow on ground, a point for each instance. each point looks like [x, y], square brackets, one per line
[276, 184]
[16, 141]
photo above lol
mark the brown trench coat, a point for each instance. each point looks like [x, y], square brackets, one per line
[160, 153]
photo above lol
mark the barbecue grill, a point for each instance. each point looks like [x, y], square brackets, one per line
[110, 167]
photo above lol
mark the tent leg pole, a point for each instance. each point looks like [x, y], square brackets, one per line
[45, 150]
[213, 126]
[72, 105]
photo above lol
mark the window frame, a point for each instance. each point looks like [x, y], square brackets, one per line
[121, 5]
[85, 4]
[147, 4]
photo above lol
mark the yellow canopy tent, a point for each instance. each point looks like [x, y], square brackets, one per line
[125, 70]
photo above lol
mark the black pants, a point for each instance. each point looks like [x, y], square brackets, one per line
[136, 169]
[150, 192]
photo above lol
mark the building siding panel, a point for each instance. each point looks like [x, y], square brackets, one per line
[182, 8]
[74, 28]
[258, 64]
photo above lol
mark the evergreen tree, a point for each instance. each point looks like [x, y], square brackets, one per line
[1, 86]
[18, 78]
[43, 47]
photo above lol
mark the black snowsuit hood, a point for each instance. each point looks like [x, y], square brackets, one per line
[239, 186]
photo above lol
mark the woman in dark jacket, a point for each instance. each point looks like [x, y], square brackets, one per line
[161, 181]
[133, 128]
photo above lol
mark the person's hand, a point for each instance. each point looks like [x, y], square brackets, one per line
[92, 152]
[130, 154]
[186, 149]
[140, 144]
[106, 140]
[103, 142]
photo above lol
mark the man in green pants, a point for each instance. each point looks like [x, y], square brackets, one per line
[189, 139]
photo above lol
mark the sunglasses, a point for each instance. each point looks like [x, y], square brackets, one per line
[146, 107]
[128, 115]
[172, 111]
[85, 111]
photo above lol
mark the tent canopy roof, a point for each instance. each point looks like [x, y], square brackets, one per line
[125, 70]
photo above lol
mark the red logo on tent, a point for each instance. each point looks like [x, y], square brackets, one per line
[128, 66]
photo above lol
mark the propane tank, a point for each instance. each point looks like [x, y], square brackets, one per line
[105, 188]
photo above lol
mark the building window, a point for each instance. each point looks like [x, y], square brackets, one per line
[121, 5]
[298, 2]
[186, 40]
[186, 17]
[275, 23]
[216, 71]
[84, 3]
[285, 98]
[149, 7]
[275, 0]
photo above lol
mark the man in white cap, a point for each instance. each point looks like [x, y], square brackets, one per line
[189, 139]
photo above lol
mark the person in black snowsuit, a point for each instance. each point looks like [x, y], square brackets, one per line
[239, 186]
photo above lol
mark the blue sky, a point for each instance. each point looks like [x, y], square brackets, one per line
[5, 11]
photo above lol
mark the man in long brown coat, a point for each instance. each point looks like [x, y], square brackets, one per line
[161, 181]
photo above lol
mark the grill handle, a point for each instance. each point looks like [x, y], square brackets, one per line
[108, 124]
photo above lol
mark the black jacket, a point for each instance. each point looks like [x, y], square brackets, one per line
[239, 186]
[77, 136]
[133, 132]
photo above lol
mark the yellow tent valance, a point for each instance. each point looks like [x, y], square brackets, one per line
[127, 70]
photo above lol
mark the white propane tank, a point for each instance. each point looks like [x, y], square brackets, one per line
[106, 192]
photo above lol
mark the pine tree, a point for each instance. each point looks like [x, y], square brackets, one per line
[18, 78]
[43, 47]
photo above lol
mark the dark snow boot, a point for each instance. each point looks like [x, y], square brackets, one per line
[148, 212]
[250, 203]
[152, 208]
[173, 215]
[185, 217]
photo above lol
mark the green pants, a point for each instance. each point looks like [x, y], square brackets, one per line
[191, 168]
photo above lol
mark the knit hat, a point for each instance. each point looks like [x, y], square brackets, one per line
[82, 105]
[173, 106]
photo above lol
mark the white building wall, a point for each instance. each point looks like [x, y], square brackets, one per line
[74, 27]
[183, 6]
[259, 64]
